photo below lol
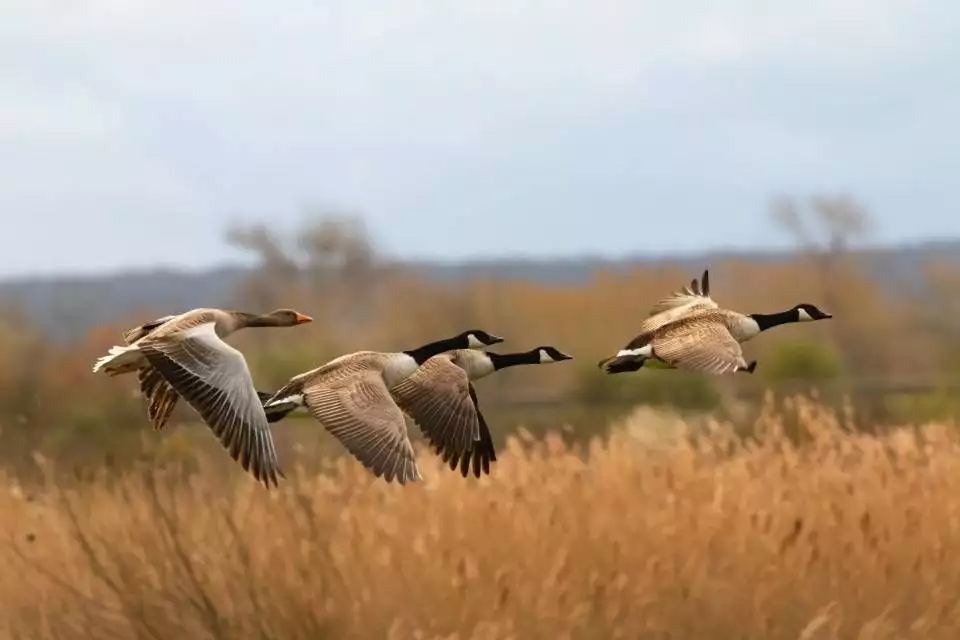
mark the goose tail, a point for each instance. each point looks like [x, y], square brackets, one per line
[119, 359]
[278, 409]
[621, 364]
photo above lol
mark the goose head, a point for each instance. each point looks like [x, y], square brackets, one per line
[276, 318]
[548, 354]
[287, 317]
[476, 339]
[808, 313]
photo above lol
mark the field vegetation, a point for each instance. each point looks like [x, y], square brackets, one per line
[817, 498]
[667, 528]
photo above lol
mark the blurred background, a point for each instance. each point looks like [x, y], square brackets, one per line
[543, 171]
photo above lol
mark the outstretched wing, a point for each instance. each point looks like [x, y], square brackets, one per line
[707, 348]
[159, 396]
[213, 378]
[361, 414]
[437, 397]
[692, 297]
[483, 452]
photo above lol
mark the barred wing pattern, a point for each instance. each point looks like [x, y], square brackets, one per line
[483, 452]
[706, 347]
[361, 414]
[437, 397]
[159, 396]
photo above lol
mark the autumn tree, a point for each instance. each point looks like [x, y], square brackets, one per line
[824, 229]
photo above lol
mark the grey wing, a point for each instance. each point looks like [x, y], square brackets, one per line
[437, 397]
[706, 348]
[360, 413]
[213, 378]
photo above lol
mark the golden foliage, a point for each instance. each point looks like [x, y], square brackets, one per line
[49, 399]
[646, 534]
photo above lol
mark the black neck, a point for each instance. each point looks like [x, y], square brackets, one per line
[768, 320]
[504, 360]
[427, 351]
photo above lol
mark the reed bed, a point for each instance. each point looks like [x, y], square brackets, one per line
[826, 534]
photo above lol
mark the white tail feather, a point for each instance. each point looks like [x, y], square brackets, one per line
[112, 354]
[295, 399]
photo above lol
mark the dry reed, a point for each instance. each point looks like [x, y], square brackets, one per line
[839, 535]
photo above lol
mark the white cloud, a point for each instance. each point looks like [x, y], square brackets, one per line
[194, 110]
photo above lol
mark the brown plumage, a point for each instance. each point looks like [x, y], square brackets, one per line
[350, 398]
[692, 297]
[688, 330]
[158, 395]
[451, 374]
[358, 396]
[437, 397]
[700, 341]
[188, 355]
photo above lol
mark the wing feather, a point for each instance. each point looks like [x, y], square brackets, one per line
[213, 378]
[692, 297]
[483, 452]
[437, 397]
[705, 346]
[359, 412]
[159, 396]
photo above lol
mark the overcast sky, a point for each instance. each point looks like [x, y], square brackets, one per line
[133, 132]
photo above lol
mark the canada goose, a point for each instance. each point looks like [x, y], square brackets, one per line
[690, 298]
[353, 397]
[188, 353]
[415, 396]
[687, 330]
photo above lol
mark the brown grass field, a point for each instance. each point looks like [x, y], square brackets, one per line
[652, 532]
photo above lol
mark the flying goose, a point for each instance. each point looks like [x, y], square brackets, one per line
[354, 397]
[416, 397]
[185, 355]
[687, 330]
[160, 397]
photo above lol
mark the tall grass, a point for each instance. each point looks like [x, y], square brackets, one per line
[830, 535]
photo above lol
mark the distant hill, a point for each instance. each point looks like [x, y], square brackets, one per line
[69, 305]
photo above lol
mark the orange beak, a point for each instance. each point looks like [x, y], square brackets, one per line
[302, 318]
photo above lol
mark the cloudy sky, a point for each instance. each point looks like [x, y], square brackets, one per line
[133, 132]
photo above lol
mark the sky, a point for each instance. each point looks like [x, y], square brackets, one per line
[133, 133]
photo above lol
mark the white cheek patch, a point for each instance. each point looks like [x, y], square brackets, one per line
[474, 343]
[545, 357]
[804, 316]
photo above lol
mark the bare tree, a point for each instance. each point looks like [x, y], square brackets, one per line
[824, 229]
[827, 225]
[274, 264]
[331, 256]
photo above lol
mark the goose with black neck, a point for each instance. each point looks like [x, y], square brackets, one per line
[688, 330]
[413, 396]
[352, 397]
